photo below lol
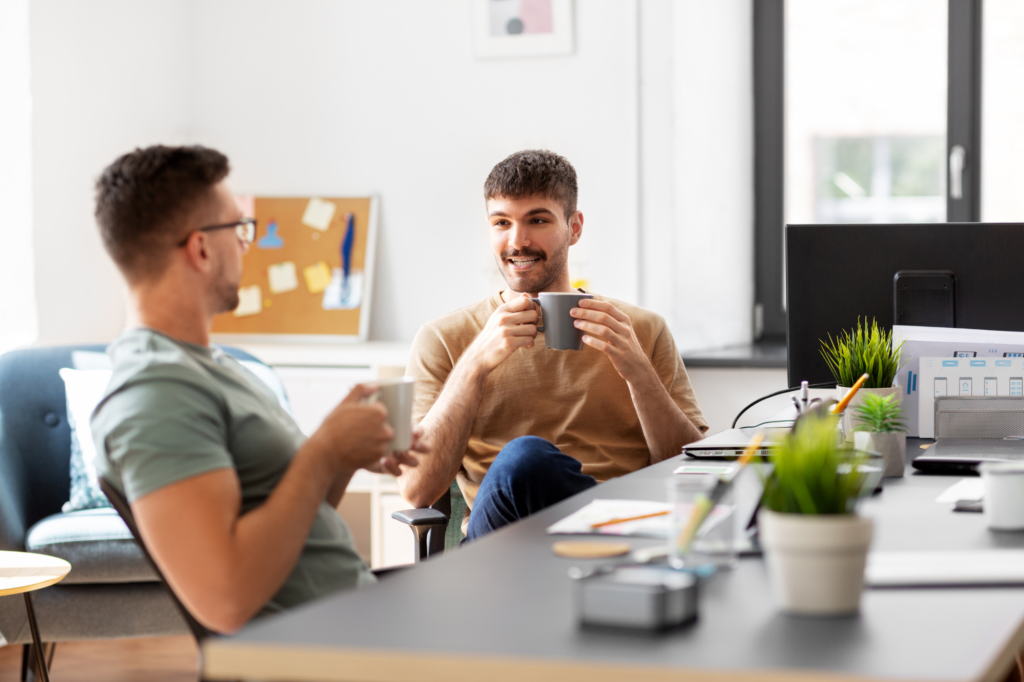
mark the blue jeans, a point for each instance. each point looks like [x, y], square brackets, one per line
[529, 474]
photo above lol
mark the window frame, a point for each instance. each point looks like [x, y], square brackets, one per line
[963, 127]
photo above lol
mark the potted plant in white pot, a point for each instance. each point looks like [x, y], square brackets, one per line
[864, 350]
[881, 430]
[814, 542]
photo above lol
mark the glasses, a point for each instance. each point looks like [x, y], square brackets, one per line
[245, 230]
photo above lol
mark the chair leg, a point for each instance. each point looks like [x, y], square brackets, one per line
[26, 654]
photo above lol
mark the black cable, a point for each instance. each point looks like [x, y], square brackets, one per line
[829, 384]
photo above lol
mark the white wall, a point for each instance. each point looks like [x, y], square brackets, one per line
[107, 76]
[714, 173]
[344, 96]
[696, 168]
[336, 97]
[18, 304]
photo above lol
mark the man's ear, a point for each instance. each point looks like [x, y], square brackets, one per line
[197, 251]
[576, 227]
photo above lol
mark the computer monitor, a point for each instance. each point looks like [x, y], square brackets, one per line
[835, 273]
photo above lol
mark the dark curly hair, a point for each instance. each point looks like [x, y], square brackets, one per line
[531, 172]
[142, 197]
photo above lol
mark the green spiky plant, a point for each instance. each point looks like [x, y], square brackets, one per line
[813, 474]
[863, 350]
[880, 414]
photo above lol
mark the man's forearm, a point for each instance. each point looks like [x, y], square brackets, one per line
[666, 427]
[447, 425]
[338, 488]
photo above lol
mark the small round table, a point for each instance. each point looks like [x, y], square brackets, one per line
[22, 573]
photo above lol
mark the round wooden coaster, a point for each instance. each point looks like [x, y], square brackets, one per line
[584, 549]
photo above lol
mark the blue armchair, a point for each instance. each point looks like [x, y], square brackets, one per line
[112, 591]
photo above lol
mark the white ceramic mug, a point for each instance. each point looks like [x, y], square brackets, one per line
[1004, 494]
[397, 395]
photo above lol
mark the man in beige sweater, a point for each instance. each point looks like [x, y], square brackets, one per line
[522, 427]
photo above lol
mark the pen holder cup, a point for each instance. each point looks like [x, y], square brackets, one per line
[714, 540]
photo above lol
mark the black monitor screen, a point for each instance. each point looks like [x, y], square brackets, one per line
[835, 273]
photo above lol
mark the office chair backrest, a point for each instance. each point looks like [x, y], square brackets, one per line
[120, 503]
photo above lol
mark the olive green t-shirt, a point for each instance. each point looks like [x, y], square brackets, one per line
[174, 410]
[574, 399]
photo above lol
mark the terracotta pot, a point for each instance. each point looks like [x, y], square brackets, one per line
[850, 418]
[891, 446]
[816, 562]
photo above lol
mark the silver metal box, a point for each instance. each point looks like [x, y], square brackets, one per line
[979, 417]
[643, 597]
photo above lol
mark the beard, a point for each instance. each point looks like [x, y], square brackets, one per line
[225, 292]
[541, 278]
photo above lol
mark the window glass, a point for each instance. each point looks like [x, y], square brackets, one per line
[865, 131]
[1002, 111]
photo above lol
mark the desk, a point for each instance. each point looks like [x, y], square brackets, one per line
[23, 572]
[501, 609]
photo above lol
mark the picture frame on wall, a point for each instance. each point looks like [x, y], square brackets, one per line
[522, 28]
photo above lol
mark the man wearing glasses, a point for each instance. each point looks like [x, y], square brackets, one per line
[235, 504]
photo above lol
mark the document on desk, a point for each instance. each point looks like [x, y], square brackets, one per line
[994, 356]
[965, 489]
[581, 522]
[945, 569]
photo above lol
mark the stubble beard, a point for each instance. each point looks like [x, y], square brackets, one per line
[225, 292]
[542, 280]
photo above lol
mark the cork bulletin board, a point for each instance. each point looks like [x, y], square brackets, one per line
[309, 273]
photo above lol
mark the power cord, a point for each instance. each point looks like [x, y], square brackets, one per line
[828, 384]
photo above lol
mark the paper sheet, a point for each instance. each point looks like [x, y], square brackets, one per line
[715, 469]
[317, 276]
[318, 214]
[342, 294]
[250, 301]
[246, 204]
[943, 342]
[965, 489]
[598, 511]
[282, 277]
[920, 569]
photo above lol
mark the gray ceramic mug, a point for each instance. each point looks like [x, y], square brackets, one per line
[559, 331]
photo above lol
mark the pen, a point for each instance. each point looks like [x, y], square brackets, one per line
[346, 256]
[703, 505]
[841, 405]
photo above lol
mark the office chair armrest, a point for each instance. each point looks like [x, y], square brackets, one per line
[421, 517]
[425, 523]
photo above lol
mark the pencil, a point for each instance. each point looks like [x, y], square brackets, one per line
[628, 518]
[841, 405]
[703, 505]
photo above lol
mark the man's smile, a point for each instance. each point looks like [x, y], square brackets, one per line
[523, 263]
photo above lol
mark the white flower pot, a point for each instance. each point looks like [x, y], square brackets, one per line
[850, 418]
[816, 563]
[891, 446]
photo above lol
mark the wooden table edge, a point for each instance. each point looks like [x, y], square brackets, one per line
[227, 660]
[33, 587]
[1007, 657]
